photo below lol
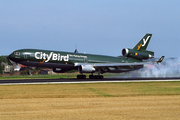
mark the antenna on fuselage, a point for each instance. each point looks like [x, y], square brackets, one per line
[76, 51]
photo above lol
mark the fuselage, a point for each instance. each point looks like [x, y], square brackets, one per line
[60, 59]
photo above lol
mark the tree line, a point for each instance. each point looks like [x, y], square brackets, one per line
[3, 59]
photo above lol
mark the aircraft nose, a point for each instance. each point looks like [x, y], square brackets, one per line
[11, 57]
[15, 56]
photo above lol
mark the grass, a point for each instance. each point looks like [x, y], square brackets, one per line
[62, 75]
[84, 101]
[90, 90]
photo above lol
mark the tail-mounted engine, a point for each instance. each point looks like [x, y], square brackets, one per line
[137, 54]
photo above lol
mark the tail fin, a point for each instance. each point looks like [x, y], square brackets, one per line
[139, 51]
[143, 43]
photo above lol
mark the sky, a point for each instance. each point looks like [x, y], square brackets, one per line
[92, 26]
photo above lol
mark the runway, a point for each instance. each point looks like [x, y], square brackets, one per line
[74, 80]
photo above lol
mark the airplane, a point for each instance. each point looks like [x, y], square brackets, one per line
[60, 61]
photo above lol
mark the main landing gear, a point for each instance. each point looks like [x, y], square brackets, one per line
[81, 76]
[90, 76]
[96, 76]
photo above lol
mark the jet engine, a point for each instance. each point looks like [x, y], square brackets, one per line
[86, 69]
[137, 54]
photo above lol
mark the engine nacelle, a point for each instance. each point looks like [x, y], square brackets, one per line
[86, 69]
[137, 54]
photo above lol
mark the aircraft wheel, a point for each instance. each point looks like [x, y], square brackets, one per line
[81, 76]
[78, 76]
[84, 76]
[101, 76]
[96, 76]
[91, 76]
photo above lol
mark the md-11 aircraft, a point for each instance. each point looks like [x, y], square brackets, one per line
[60, 61]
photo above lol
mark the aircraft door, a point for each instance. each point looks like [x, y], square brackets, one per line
[25, 56]
[85, 59]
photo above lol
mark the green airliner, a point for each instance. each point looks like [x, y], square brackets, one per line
[59, 61]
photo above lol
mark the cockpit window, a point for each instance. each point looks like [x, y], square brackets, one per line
[17, 53]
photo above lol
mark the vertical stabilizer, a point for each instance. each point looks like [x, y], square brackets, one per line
[143, 43]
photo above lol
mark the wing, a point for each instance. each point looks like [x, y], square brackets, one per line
[118, 67]
[112, 67]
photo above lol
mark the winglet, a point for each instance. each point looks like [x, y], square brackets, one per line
[160, 59]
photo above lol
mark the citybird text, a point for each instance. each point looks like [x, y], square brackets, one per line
[51, 56]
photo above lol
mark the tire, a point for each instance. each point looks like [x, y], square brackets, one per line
[81, 76]
[91, 77]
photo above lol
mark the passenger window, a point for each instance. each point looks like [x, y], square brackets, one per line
[17, 53]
